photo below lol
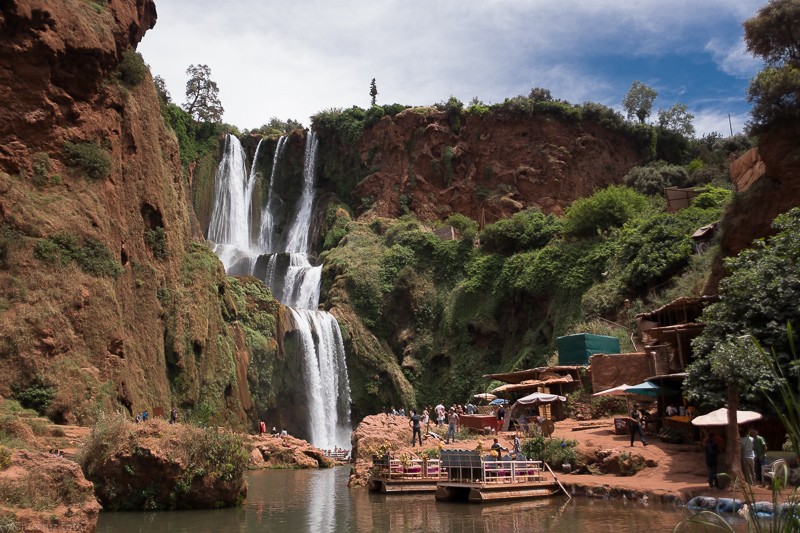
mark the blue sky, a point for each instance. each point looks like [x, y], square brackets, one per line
[290, 59]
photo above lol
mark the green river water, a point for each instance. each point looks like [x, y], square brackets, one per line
[288, 501]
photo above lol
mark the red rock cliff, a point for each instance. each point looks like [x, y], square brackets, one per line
[155, 334]
[491, 167]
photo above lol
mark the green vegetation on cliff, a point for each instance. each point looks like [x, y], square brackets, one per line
[450, 311]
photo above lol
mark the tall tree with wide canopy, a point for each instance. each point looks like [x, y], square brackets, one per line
[202, 95]
[774, 34]
[639, 101]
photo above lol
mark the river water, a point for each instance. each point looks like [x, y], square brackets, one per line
[288, 501]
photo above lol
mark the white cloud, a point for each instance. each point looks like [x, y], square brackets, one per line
[293, 58]
[733, 58]
[717, 120]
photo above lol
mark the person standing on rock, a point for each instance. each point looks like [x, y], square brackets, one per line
[416, 431]
[452, 426]
[426, 421]
[262, 428]
[635, 425]
[173, 416]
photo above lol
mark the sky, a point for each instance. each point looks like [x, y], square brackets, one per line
[294, 58]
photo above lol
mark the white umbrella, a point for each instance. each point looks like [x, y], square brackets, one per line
[540, 397]
[615, 391]
[720, 417]
[485, 396]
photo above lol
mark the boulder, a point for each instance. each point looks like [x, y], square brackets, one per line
[43, 492]
[155, 465]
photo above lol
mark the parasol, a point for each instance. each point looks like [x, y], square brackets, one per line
[720, 417]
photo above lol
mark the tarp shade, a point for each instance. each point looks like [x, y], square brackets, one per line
[576, 349]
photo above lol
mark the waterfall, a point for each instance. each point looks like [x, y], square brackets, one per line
[297, 236]
[266, 234]
[293, 280]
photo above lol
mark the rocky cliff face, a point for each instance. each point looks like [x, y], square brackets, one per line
[104, 299]
[490, 167]
[750, 215]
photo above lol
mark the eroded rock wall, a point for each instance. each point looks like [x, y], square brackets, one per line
[156, 327]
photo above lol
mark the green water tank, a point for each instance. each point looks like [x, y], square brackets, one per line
[576, 349]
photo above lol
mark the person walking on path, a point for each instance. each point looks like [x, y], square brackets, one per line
[451, 428]
[635, 425]
[760, 449]
[712, 453]
[416, 431]
[748, 457]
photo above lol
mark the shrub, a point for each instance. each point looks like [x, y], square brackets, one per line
[40, 162]
[551, 451]
[652, 178]
[465, 225]
[607, 208]
[94, 161]
[5, 457]
[92, 256]
[525, 230]
[156, 240]
[132, 69]
[38, 395]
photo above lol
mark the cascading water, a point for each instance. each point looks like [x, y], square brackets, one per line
[294, 281]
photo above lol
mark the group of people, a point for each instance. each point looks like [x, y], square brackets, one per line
[753, 455]
[262, 429]
[441, 416]
[144, 416]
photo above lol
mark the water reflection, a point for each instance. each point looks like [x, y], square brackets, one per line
[319, 501]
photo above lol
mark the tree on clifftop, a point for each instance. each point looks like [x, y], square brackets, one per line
[678, 119]
[639, 101]
[373, 90]
[775, 91]
[202, 95]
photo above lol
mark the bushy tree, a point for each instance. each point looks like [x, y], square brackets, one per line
[652, 179]
[523, 231]
[202, 95]
[677, 119]
[539, 94]
[607, 208]
[639, 101]
[775, 91]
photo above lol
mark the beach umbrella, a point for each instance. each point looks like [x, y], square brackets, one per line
[540, 397]
[621, 390]
[488, 396]
[720, 417]
[498, 401]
